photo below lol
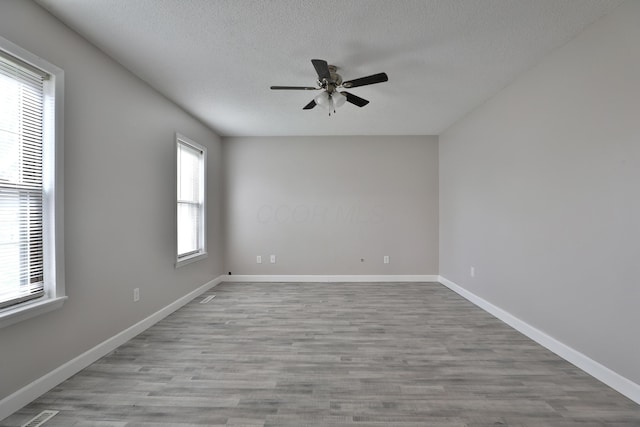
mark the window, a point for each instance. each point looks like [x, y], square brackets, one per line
[31, 245]
[192, 159]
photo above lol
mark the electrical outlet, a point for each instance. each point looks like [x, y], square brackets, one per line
[273, 259]
[259, 259]
[136, 294]
[472, 272]
[386, 259]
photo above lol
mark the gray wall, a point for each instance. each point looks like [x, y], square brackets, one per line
[320, 204]
[540, 192]
[119, 202]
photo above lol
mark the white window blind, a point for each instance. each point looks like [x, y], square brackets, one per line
[191, 212]
[21, 182]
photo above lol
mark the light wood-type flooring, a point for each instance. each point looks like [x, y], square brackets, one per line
[332, 354]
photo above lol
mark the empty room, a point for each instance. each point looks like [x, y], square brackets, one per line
[340, 213]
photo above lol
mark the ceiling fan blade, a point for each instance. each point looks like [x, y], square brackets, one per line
[355, 100]
[369, 80]
[322, 68]
[310, 105]
[294, 88]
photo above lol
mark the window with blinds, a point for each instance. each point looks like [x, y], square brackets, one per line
[21, 181]
[191, 200]
[31, 185]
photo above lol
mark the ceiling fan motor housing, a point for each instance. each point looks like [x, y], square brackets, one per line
[335, 81]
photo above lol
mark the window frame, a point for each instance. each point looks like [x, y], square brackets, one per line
[53, 190]
[201, 252]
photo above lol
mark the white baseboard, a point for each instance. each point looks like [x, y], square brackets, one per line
[37, 388]
[614, 380]
[330, 278]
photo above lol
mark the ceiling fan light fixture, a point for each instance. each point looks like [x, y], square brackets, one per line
[323, 99]
[338, 99]
[330, 101]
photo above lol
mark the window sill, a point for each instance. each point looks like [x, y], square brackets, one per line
[12, 315]
[190, 259]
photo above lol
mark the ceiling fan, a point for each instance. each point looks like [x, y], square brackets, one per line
[329, 81]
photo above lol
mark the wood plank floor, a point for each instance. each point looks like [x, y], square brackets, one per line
[338, 354]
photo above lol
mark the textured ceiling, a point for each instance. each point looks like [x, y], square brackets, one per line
[217, 58]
